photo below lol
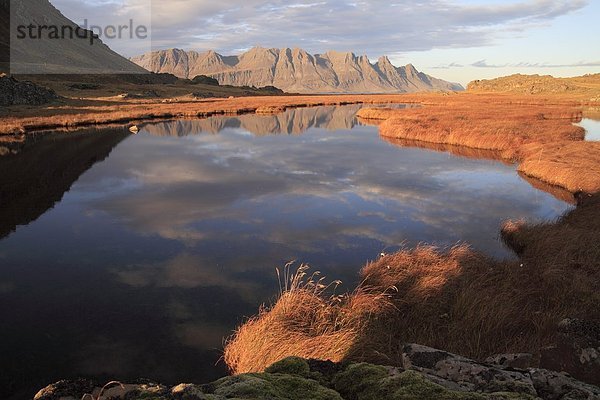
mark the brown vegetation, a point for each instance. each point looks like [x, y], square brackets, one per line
[306, 322]
[540, 137]
[457, 300]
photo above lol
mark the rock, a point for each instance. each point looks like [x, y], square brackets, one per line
[66, 390]
[148, 94]
[468, 374]
[577, 351]
[269, 387]
[85, 86]
[205, 80]
[134, 129]
[426, 373]
[187, 391]
[518, 360]
[13, 92]
[552, 385]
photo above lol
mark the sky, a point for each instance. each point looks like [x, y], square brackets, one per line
[456, 40]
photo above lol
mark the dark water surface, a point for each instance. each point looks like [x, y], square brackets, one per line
[128, 256]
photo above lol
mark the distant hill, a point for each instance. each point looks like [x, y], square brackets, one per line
[295, 70]
[65, 56]
[538, 84]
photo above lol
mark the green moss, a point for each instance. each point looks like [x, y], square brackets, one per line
[412, 385]
[272, 386]
[358, 379]
[510, 396]
[371, 382]
[291, 365]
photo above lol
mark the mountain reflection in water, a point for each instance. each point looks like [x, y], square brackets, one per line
[156, 252]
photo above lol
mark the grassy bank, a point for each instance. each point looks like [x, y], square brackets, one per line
[540, 137]
[453, 299]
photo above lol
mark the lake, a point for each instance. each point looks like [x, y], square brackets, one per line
[126, 256]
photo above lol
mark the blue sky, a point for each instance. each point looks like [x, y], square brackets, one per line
[457, 40]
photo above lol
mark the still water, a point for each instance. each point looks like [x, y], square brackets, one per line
[592, 129]
[127, 256]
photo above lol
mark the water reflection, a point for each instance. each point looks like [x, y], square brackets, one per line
[155, 254]
[37, 174]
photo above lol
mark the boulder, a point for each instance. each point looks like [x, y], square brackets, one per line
[205, 80]
[577, 350]
[517, 360]
[452, 370]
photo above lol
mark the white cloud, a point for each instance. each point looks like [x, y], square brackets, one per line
[374, 27]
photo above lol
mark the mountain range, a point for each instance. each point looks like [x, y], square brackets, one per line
[295, 70]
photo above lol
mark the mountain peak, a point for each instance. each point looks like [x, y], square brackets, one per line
[341, 54]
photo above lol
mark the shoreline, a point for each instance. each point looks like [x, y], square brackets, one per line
[538, 157]
[117, 111]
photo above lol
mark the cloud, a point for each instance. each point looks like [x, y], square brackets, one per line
[448, 66]
[231, 25]
[484, 64]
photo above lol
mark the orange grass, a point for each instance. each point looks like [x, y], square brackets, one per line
[309, 323]
[540, 136]
[457, 300]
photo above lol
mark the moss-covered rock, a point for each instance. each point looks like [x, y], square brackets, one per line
[371, 382]
[291, 365]
[272, 386]
[426, 374]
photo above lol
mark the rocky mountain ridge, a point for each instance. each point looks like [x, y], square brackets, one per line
[295, 70]
[538, 84]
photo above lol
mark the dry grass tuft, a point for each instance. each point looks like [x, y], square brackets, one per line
[304, 322]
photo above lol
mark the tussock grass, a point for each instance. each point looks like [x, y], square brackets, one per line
[572, 165]
[455, 299]
[305, 321]
[540, 137]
